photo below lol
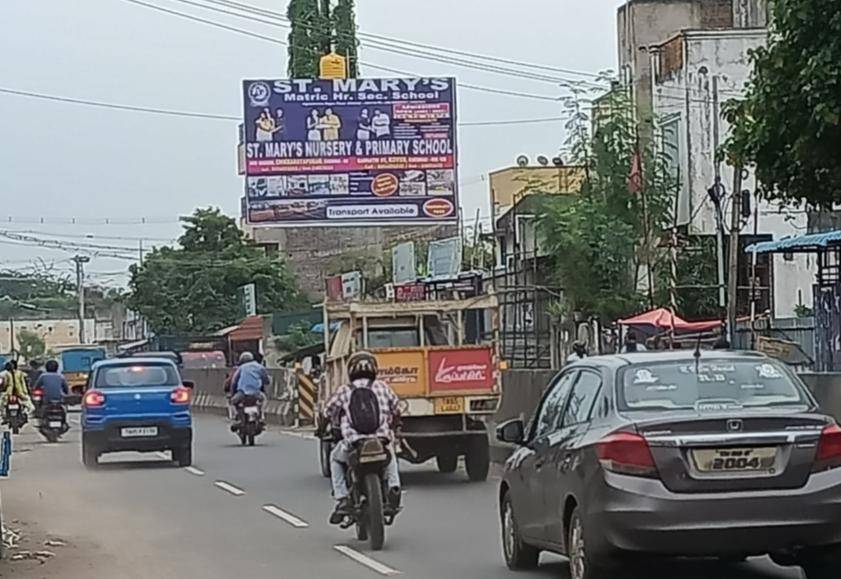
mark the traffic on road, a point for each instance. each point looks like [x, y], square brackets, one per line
[718, 458]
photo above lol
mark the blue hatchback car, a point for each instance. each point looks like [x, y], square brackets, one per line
[137, 405]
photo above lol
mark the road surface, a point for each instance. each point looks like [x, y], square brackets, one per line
[253, 512]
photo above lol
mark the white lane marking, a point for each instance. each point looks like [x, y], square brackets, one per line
[194, 470]
[284, 516]
[163, 455]
[304, 435]
[376, 566]
[237, 492]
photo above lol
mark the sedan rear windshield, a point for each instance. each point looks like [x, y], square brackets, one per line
[710, 385]
[137, 376]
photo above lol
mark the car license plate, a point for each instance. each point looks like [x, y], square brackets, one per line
[55, 424]
[139, 431]
[735, 460]
[449, 405]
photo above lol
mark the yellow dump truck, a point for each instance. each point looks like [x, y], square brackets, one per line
[440, 357]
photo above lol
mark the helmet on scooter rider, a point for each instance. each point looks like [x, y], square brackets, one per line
[246, 357]
[362, 365]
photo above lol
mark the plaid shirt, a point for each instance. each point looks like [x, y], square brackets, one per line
[338, 409]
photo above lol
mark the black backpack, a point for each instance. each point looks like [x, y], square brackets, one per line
[364, 410]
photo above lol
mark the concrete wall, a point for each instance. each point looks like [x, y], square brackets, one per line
[55, 333]
[683, 104]
[827, 389]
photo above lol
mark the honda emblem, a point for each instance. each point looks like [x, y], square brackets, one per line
[734, 425]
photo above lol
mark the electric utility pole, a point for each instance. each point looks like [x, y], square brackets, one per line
[80, 261]
[733, 274]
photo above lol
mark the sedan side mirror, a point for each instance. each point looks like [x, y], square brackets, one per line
[189, 384]
[511, 431]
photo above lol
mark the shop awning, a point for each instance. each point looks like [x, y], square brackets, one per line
[662, 319]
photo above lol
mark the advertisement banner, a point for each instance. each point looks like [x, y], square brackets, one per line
[350, 151]
[403, 370]
[463, 369]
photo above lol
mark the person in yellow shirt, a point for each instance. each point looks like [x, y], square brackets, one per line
[331, 123]
[14, 384]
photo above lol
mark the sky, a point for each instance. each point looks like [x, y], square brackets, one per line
[111, 177]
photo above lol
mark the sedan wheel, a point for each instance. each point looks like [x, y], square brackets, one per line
[518, 555]
[581, 564]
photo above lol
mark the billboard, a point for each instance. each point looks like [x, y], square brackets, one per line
[350, 151]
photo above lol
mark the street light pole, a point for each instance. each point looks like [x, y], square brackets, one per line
[80, 261]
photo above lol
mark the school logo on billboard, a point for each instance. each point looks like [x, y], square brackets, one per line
[259, 94]
[350, 151]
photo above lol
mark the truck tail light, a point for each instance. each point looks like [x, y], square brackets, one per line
[93, 399]
[829, 449]
[626, 453]
[181, 395]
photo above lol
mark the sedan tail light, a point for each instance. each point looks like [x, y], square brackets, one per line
[626, 453]
[181, 395]
[829, 449]
[93, 399]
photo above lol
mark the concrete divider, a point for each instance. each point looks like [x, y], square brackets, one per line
[521, 393]
[826, 387]
[209, 394]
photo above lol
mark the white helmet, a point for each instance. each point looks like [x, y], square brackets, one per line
[246, 357]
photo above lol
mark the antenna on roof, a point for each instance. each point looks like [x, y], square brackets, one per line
[697, 355]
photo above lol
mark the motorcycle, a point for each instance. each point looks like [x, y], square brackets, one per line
[249, 424]
[53, 421]
[368, 509]
[37, 399]
[15, 414]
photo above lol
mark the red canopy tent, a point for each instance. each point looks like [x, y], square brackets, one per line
[662, 319]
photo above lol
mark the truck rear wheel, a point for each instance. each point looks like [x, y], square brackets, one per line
[447, 463]
[478, 459]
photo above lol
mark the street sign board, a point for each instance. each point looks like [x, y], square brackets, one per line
[249, 299]
[403, 267]
[350, 152]
[444, 260]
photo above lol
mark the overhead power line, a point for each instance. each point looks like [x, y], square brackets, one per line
[393, 46]
[368, 64]
[405, 42]
[192, 114]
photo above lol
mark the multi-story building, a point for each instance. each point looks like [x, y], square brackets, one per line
[645, 23]
[695, 73]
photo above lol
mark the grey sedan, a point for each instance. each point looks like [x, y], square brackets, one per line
[675, 454]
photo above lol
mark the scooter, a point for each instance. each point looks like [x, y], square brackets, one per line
[370, 511]
[53, 421]
[248, 425]
[15, 414]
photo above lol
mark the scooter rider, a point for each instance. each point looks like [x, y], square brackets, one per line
[14, 384]
[53, 385]
[250, 379]
[362, 371]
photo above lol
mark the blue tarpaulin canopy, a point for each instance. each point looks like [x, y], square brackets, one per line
[798, 244]
[319, 328]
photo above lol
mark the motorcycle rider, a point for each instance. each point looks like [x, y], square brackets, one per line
[362, 372]
[53, 385]
[250, 379]
[14, 384]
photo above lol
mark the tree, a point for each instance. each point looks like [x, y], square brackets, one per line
[317, 30]
[344, 24]
[297, 337]
[32, 346]
[304, 52]
[599, 240]
[195, 288]
[789, 123]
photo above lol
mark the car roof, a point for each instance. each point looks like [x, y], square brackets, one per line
[133, 362]
[654, 356]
